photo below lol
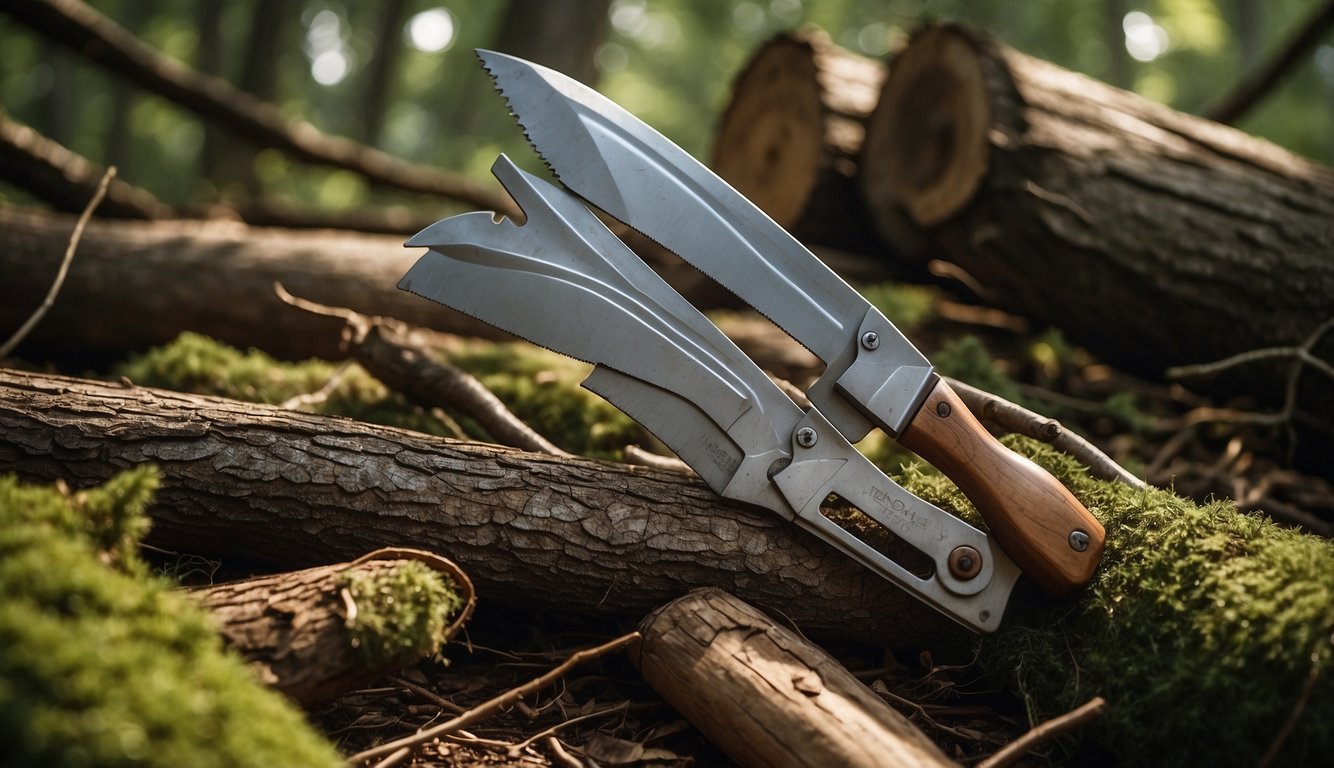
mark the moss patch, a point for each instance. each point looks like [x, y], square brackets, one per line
[1200, 628]
[102, 665]
[402, 613]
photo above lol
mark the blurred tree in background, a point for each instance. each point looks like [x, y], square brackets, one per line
[400, 74]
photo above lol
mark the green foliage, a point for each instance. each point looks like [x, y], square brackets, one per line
[402, 613]
[907, 306]
[103, 666]
[1200, 628]
[966, 359]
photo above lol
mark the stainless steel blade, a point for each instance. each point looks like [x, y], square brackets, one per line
[611, 158]
[575, 288]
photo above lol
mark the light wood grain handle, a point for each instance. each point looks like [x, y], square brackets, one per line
[1038, 522]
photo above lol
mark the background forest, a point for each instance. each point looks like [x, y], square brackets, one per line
[401, 75]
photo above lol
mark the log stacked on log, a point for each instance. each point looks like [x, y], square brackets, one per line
[791, 132]
[1153, 237]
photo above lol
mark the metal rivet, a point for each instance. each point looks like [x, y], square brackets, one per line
[806, 437]
[943, 410]
[965, 562]
[1079, 540]
[870, 339]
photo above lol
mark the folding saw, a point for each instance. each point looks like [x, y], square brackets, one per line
[562, 280]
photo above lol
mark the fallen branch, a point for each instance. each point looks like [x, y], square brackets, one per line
[40, 312]
[306, 634]
[385, 348]
[767, 696]
[491, 706]
[1310, 32]
[88, 33]
[1045, 732]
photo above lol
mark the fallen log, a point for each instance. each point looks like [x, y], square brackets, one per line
[298, 489]
[791, 132]
[1152, 237]
[318, 633]
[766, 695]
[135, 284]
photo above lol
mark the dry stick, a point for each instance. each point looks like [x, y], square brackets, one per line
[36, 316]
[514, 749]
[1016, 418]
[490, 707]
[411, 370]
[1045, 732]
[90, 34]
[1255, 87]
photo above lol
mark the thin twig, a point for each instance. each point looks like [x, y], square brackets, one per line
[560, 755]
[1017, 418]
[633, 454]
[430, 695]
[490, 707]
[322, 394]
[515, 749]
[36, 317]
[1045, 732]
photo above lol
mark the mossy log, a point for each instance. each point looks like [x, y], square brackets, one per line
[1152, 237]
[320, 632]
[299, 489]
[766, 695]
[791, 132]
[102, 664]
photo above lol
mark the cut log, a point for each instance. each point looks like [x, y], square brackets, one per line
[1152, 237]
[791, 132]
[570, 534]
[299, 631]
[766, 695]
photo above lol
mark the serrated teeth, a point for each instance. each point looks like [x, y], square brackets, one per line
[518, 119]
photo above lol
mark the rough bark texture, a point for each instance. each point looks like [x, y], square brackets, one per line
[295, 631]
[1153, 237]
[569, 534]
[766, 695]
[135, 284]
[792, 131]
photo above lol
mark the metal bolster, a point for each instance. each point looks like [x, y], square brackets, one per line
[889, 390]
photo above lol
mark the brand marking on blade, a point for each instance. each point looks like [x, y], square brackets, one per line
[721, 457]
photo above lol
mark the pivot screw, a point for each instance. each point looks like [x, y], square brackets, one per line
[943, 410]
[870, 339]
[1079, 540]
[806, 437]
[965, 563]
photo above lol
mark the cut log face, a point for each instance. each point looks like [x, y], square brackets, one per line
[1152, 237]
[791, 131]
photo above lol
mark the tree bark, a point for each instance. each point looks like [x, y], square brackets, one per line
[294, 629]
[791, 133]
[766, 695]
[1152, 237]
[136, 284]
[565, 533]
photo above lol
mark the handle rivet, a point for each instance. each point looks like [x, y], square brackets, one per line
[1079, 540]
[870, 339]
[943, 410]
[806, 437]
[965, 562]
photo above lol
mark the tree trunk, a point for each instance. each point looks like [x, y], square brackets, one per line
[136, 284]
[1152, 237]
[378, 81]
[565, 533]
[766, 695]
[790, 135]
[296, 629]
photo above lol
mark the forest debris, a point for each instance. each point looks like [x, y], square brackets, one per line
[316, 633]
[766, 695]
[1054, 727]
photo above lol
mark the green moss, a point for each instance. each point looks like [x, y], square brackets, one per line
[540, 387]
[1200, 628]
[967, 360]
[103, 666]
[907, 306]
[401, 613]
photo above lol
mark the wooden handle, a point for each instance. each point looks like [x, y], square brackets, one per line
[1039, 524]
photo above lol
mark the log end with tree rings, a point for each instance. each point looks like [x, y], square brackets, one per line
[769, 140]
[926, 147]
